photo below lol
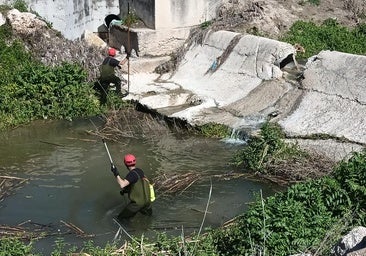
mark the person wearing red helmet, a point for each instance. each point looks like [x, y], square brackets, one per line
[108, 76]
[137, 186]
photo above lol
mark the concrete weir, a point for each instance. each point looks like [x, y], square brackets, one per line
[209, 94]
[241, 81]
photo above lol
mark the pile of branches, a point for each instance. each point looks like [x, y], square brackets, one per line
[178, 183]
[171, 184]
[29, 230]
[297, 170]
[129, 123]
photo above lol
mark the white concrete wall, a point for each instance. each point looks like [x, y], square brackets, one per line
[73, 17]
[177, 13]
[164, 14]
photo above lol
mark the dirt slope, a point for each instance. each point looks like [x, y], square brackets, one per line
[272, 18]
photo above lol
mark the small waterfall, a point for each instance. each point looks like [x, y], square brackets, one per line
[242, 129]
[236, 137]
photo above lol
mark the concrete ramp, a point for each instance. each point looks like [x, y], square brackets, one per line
[251, 83]
[245, 61]
[335, 98]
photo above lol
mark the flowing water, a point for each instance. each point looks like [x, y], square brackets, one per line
[70, 180]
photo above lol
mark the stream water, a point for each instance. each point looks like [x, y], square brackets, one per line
[70, 180]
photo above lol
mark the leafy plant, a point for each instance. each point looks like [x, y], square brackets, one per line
[131, 19]
[314, 2]
[206, 24]
[29, 90]
[328, 36]
[266, 149]
[352, 175]
[14, 247]
[299, 219]
[20, 5]
[214, 130]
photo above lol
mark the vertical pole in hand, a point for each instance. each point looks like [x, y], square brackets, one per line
[128, 46]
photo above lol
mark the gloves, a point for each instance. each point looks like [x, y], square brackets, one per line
[114, 170]
[128, 55]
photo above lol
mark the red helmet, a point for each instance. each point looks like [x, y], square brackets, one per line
[112, 52]
[130, 160]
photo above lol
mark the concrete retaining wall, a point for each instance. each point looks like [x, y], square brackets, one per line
[73, 17]
[148, 42]
[169, 14]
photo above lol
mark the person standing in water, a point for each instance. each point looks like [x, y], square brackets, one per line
[137, 186]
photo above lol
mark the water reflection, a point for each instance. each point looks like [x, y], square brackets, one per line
[70, 180]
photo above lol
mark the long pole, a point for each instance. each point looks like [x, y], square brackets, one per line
[128, 46]
[109, 155]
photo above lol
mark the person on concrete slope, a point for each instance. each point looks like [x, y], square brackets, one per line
[108, 76]
[137, 186]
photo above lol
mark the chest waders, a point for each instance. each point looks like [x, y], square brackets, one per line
[106, 71]
[140, 191]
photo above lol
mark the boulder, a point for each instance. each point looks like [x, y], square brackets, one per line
[93, 39]
[25, 23]
[334, 98]
[354, 241]
[2, 19]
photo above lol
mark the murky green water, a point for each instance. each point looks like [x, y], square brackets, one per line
[70, 180]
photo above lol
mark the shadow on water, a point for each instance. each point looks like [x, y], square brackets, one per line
[70, 180]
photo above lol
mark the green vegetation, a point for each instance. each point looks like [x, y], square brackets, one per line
[266, 149]
[206, 24]
[328, 36]
[20, 5]
[14, 247]
[213, 130]
[307, 217]
[30, 90]
[314, 2]
[131, 19]
[302, 218]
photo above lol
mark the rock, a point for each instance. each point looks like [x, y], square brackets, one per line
[2, 19]
[25, 23]
[355, 240]
[361, 252]
[334, 99]
[93, 40]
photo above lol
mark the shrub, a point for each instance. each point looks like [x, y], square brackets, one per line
[328, 36]
[301, 218]
[20, 5]
[265, 149]
[352, 175]
[214, 130]
[30, 90]
[14, 247]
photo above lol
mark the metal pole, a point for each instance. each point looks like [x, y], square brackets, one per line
[128, 46]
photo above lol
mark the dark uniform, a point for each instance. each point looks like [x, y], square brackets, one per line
[108, 76]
